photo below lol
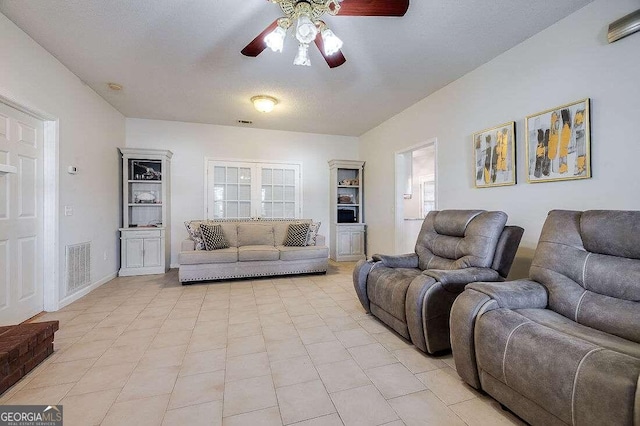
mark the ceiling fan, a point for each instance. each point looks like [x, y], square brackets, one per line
[305, 16]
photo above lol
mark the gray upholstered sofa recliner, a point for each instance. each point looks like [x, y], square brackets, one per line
[564, 346]
[413, 293]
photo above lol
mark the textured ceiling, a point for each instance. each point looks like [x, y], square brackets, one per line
[180, 59]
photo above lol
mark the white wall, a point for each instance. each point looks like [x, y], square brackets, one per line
[567, 62]
[191, 143]
[90, 130]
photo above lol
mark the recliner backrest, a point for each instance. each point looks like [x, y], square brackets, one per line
[590, 264]
[457, 239]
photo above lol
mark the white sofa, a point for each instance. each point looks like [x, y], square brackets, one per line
[255, 249]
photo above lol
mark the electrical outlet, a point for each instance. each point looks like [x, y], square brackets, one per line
[68, 210]
[105, 256]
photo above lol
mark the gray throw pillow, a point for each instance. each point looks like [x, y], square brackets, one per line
[213, 237]
[312, 234]
[297, 235]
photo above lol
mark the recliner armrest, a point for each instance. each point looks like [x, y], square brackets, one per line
[519, 294]
[400, 261]
[464, 276]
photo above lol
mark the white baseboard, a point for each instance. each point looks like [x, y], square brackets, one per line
[174, 265]
[86, 290]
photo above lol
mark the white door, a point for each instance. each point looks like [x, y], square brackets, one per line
[21, 216]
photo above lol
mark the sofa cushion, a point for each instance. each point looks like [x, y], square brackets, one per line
[258, 252]
[213, 237]
[296, 235]
[303, 253]
[387, 288]
[198, 257]
[255, 234]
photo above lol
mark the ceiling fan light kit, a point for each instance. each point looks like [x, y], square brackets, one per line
[305, 14]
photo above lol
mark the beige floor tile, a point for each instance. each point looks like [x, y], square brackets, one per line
[307, 320]
[165, 357]
[248, 395]
[50, 395]
[394, 380]
[417, 361]
[183, 313]
[363, 406]
[142, 337]
[197, 389]
[327, 352]
[178, 324]
[245, 329]
[316, 335]
[203, 362]
[292, 371]
[342, 375]
[201, 342]
[283, 349]
[215, 314]
[354, 337]
[103, 333]
[372, 325]
[484, 412]
[103, 377]
[301, 309]
[245, 345]
[86, 350]
[89, 408]
[146, 383]
[247, 366]
[392, 341]
[424, 408]
[207, 414]
[172, 338]
[60, 373]
[330, 420]
[304, 401]
[139, 412]
[447, 385]
[275, 319]
[266, 417]
[373, 355]
[279, 332]
[122, 355]
[341, 323]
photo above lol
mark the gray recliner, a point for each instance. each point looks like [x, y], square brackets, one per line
[564, 346]
[413, 293]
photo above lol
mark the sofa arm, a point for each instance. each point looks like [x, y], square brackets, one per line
[321, 241]
[455, 280]
[519, 294]
[478, 298]
[400, 261]
[360, 276]
[188, 245]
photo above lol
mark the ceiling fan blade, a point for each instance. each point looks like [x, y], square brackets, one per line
[373, 8]
[334, 60]
[258, 44]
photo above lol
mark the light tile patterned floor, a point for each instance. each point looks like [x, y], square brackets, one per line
[296, 350]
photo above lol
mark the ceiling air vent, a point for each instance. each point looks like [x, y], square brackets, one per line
[624, 26]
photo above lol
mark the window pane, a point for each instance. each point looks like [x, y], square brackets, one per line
[232, 192]
[289, 177]
[289, 193]
[245, 210]
[267, 193]
[219, 174]
[266, 176]
[218, 192]
[232, 210]
[245, 175]
[232, 175]
[218, 210]
[278, 178]
[290, 210]
[267, 210]
[278, 210]
[244, 192]
[278, 193]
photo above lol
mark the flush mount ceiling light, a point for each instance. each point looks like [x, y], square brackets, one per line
[304, 17]
[264, 103]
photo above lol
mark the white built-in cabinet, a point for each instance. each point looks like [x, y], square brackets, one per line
[145, 233]
[347, 227]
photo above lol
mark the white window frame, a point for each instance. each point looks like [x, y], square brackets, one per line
[256, 183]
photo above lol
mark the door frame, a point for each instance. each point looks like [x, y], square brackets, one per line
[400, 186]
[51, 234]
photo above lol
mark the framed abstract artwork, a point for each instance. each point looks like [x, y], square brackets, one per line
[495, 156]
[558, 143]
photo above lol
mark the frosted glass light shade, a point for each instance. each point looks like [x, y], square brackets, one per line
[275, 39]
[302, 58]
[331, 42]
[264, 103]
[306, 31]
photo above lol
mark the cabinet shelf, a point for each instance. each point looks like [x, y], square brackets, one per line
[145, 204]
[348, 205]
[159, 182]
[349, 186]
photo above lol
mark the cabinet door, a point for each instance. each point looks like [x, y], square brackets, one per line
[134, 252]
[357, 243]
[152, 252]
[344, 243]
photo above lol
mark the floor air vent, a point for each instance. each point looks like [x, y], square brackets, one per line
[78, 262]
